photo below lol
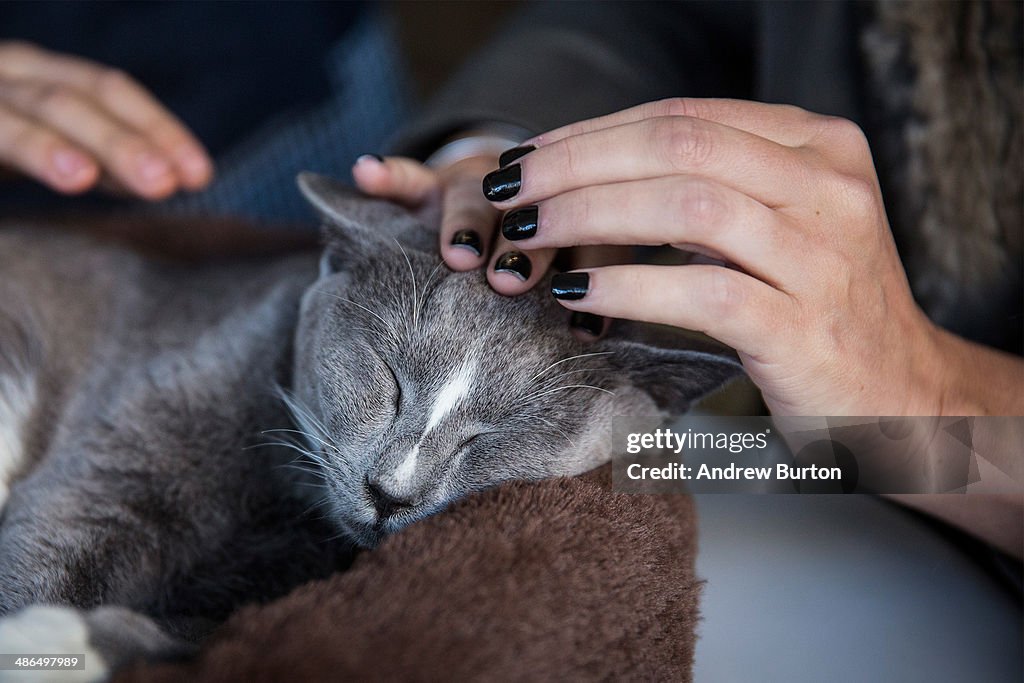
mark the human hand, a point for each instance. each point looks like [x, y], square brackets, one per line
[817, 303]
[73, 124]
[469, 236]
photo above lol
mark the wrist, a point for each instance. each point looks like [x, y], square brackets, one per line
[976, 380]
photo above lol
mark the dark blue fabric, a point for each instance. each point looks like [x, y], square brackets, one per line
[223, 67]
[271, 88]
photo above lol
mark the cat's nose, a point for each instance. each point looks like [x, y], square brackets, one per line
[384, 502]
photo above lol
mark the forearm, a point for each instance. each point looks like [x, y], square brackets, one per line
[978, 380]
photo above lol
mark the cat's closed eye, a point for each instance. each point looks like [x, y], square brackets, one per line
[465, 446]
[397, 390]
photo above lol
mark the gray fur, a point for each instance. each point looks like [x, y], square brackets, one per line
[147, 481]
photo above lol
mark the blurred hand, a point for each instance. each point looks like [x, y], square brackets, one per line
[817, 303]
[73, 124]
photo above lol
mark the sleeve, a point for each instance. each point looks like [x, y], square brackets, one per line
[560, 62]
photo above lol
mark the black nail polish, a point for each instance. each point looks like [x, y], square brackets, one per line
[520, 224]
[510, 155]
[588, 322]
[467, 239]
[504, 183]
[570, 286]
[515, 262]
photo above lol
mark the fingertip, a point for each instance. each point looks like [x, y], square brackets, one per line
[461, 258]
[511, 273]
[196, 167]
[153, 179]
[507, 284]
[371, 174]
[72, 172]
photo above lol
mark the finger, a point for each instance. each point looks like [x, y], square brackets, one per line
[122, 96]
[734, 308]
[687, 212]
[468, 222]
[782, 123]
[37, 151]
[120, 151]
[588, 326]
[512, 271]
[403, 180]
[771, 173]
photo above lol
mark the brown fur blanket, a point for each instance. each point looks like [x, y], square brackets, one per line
[554, 580]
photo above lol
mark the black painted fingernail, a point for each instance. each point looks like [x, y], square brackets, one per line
[510, 155]
[467, 239]
[515, 262]
[588, 322]
[520, 224]
[570, 286]
[504, 183]
[371, 156]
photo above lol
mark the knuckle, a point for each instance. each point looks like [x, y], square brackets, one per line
[844, 137]
[700, 202]
[857, 193]
[680, 106]
[112, 82]
[16, 140]
[727, 295]
[13, 53]
[847, 131]
[572, 154]
[26, 145]
[122, 146]
[686, 143]
[575, 214]
[54, 100]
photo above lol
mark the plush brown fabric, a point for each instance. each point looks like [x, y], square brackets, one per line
[554, 580]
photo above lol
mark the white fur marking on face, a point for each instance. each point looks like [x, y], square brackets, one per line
[44, 629]
[405, 471]
[17, 396]
[450, 395]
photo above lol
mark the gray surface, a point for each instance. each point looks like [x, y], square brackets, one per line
[844, 588]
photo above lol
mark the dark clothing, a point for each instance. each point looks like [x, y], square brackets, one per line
[271, 88]
[948, 155]
[223, 67]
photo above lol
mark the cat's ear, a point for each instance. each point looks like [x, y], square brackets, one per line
[355, 224]
[675, 371]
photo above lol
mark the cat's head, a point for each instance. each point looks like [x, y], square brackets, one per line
[417, 385]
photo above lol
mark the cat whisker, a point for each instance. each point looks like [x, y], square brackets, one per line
[556, 428]
[327, 444]
[391, 328]
[426, 284]
[554, 379]
[412, 278]
[535, 396]
[565, 360]
[305, 417]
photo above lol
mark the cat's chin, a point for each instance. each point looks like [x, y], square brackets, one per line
[369, 536]
[364, 535]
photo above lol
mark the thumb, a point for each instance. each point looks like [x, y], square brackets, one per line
[401, 179]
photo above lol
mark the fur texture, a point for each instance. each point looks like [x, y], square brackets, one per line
[948, 89]
[549, 581]
[145, 479]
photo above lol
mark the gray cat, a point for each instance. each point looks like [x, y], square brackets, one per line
[137, 400]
